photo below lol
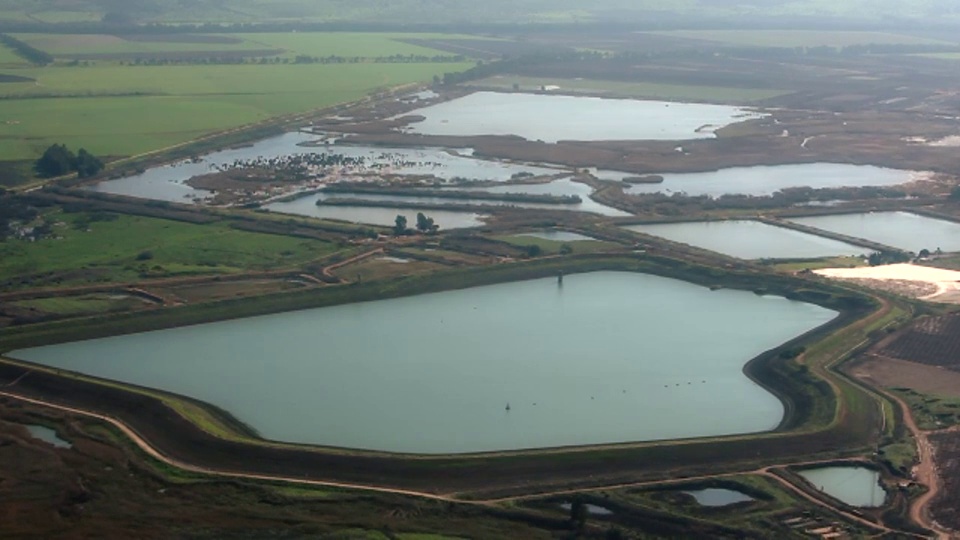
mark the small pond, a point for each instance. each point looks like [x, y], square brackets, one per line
[903, 230]
[434, 373]
[552, 118]
[748, 239]
[592, 509]
[48, 435]
[563, 186]
[558, 236]
[717, 497]
[764, 181]
[856, 486]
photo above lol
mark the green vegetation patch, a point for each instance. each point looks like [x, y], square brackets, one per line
[167, 105]
[133, 247]
[674, 92]
[83, 304]
[931, 412]
[802, 38]
[83, 44]
[541, 246]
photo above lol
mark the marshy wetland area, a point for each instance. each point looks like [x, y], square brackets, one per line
[565, 282]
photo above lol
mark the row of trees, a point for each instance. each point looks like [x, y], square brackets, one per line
[58, 160]
[26, 51]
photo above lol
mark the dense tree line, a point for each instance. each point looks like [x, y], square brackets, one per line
[58, 160]
[26, 51]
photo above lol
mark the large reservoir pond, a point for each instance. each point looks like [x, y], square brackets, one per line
[902, 230]
[765, 181]
[748, 239]
[552, 118]
[606, 357]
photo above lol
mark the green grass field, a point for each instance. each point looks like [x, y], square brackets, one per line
[185, 101]
[70, 44]
[801, 38]
[552, 247]
[635, 89]
[83, 304]
[9, 59]
[110, 251]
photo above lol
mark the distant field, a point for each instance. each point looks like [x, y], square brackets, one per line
[294, 43]
[187, 101]
[637, 90]
[8, 58]
[110, 250]
[802, 38]
[942, 56]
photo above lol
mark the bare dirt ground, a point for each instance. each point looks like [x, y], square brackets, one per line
[891, 373]
[914, 281]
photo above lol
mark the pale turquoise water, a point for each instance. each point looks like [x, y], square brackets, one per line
[750, 239]
[766, 180]
[48, 435]
[606, 357]
[716, 497]
[552, 118]
[901, 230]
[856, 486]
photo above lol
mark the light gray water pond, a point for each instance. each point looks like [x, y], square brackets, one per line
[902, 230]
[307, 206]
[750, 239]
[558, 236]
[563, 186]
[605, 357]
[856, 486]
[48, 435]
[592, 509]
[716, 497]
[551, 118]
[166, 182]
[763, 181]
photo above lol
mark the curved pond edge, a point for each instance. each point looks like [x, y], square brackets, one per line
[216, 440]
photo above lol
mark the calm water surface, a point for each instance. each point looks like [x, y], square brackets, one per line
[167, 182]
[856, 486]
[606, 357]
[48, 435]
[750, 239]
[716, 497]
[901, 230]
[552, 118]
[763, 181]
[307, 206]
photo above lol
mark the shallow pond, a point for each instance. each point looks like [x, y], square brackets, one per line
[167, 182]
[563, 186]
[763, 181]
[48, 435]
[592, 509]
[750, 239]
[307, 206]
[558, 236]
[716, 497]
[902, 230]
[552, 118]
[606, 357]
[856, 486]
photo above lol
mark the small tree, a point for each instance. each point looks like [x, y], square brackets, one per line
[87, 164]
[566, 249]
[578, 514]
[533, 250]
[57, 160]
[955, 194]
[400, 225]
[425, 224]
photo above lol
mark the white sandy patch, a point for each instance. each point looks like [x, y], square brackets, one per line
[949, 142]
[945, 281]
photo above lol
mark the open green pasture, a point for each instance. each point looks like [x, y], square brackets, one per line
[349, 44]
[132, 247]
[801, 38]
[633, 89]
[176, 103]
